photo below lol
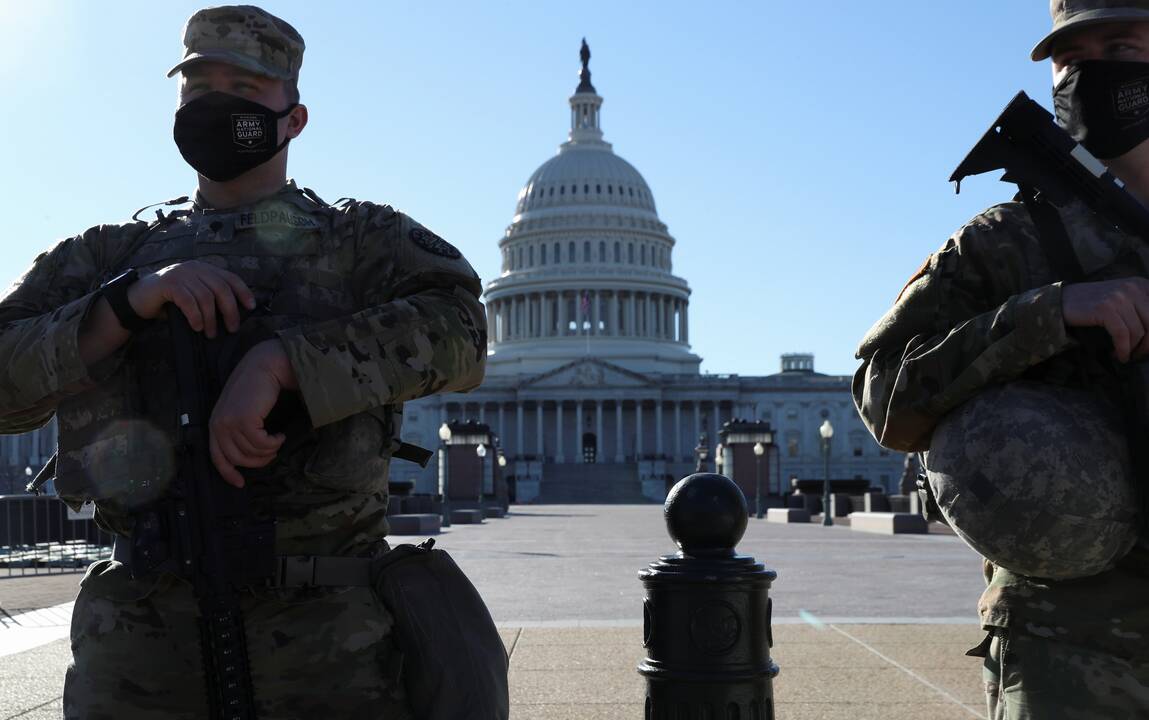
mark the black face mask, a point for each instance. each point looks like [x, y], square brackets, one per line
[1104, 105]
[223, 136]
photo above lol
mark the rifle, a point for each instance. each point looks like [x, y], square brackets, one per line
[1047, 164]
[221, 544]
[1049, 168]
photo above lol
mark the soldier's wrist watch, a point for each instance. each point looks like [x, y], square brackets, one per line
[115, 291]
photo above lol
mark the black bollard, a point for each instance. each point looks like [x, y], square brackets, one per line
[706, 617]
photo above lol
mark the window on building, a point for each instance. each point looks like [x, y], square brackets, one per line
[610, 189]
[643, 254]
[531, 256]
[617, 252]
[598, 189]
[793, 449]
[586, 251]
[558, 254]
[542, 255]
[552, 192]
[602, 251]
[518, 257]
[562, 189]
[586, 189]
[630, 253]
[571, 252]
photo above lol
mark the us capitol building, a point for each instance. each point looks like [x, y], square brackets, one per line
[591, 379]
[592, 385]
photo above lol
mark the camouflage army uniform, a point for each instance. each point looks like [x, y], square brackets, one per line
[373, 310]
[986, 309]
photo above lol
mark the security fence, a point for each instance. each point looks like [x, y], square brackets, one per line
[42, 536]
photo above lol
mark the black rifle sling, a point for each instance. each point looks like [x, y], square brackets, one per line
[227, 674]
[1133, 399]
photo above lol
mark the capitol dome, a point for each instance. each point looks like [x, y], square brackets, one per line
[587, 266]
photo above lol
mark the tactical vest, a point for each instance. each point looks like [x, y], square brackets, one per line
[116, 442]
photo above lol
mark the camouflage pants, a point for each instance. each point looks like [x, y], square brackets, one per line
[1031, 678]
[318, 653]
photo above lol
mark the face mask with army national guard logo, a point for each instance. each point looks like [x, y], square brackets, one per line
[223, 136]
[1104, 105]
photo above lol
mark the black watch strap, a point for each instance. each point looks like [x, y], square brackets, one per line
[115, 291]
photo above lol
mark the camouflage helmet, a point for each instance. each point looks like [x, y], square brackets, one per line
[245, 36]
[1037, 479]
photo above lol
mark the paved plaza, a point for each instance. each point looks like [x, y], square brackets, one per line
[866, 626]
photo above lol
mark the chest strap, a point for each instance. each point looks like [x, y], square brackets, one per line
[294, 570]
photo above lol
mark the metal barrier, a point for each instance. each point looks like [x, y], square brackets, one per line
[42, 536]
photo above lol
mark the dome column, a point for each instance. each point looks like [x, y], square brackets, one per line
[596, 314]
[546, 301]
[562, 313]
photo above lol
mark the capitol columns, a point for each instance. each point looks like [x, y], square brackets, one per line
[522, 448]
[539, 445]
[677, 431]
[579, 449]
[600, 441]
[619, 450]
[638, 429]
[658, 426]
[559, 432]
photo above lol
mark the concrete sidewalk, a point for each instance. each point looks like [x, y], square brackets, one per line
[865, 626]
[855, 672]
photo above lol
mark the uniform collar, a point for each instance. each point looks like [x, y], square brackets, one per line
[200, 204]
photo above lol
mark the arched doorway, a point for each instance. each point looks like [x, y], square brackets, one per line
[589, 448]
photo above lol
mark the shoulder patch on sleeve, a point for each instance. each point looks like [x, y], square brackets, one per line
[925, 268]
[433, 244]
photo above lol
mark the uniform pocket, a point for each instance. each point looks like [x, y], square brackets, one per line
[353, 453]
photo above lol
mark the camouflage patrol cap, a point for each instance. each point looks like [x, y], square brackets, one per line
[1075, 14]
[1036, 478]
[245, 36]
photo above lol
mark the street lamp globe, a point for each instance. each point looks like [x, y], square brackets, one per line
[27, 471]
[759, 449]
[444, 433]
[826, 430]
[502, 461]
[481, 450]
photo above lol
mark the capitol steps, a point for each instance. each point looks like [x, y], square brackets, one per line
[597, 483]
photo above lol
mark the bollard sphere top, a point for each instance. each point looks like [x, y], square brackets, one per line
[706, 514]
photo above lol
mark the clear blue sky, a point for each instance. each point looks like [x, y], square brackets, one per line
[798, 151]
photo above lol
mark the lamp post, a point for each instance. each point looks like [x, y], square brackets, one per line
[759, 449]
[503, 478]
[481, 451]
[444, 438]
[719, 459]
[827, 432]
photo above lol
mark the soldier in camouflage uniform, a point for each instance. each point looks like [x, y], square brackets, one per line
[350, 310]
[989, 308]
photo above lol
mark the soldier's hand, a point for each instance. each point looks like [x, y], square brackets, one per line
[237, 436]
[1120, 306]
[198, 289]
